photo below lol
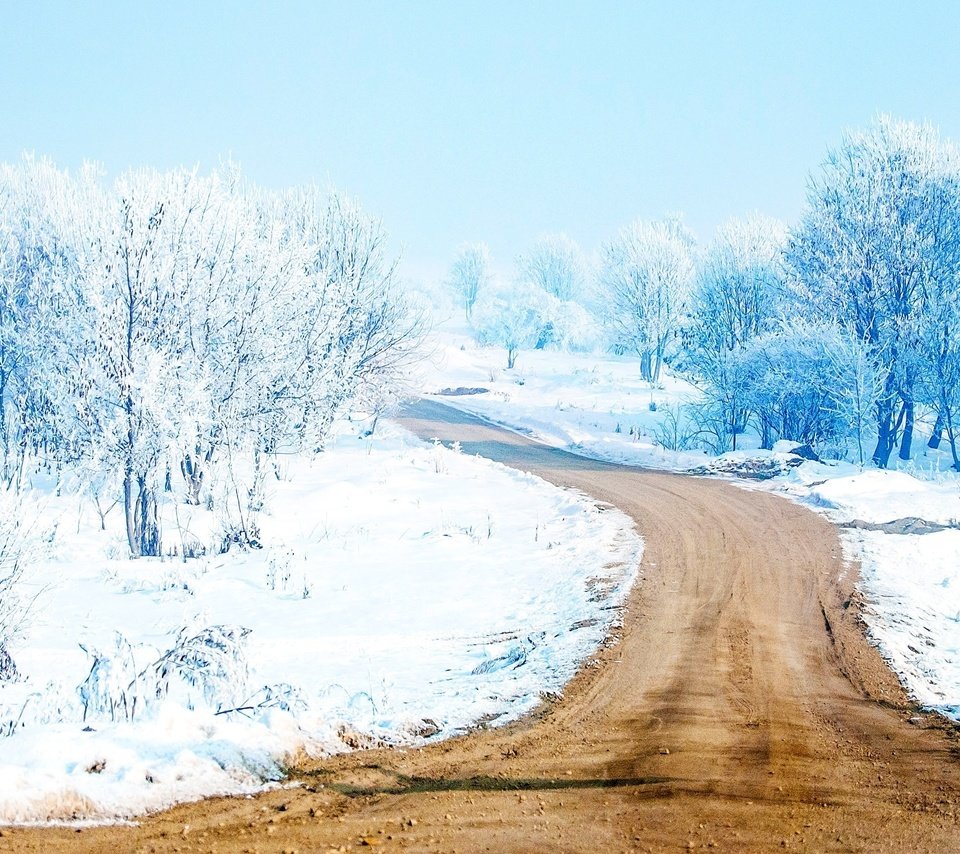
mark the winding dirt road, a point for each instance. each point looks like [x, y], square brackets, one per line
[741, 710]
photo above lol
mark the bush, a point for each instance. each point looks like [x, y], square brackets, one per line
[18, 544]
[212, 660]
[676, 431]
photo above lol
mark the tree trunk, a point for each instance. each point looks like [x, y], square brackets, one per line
[937, 435]
[886, 429]
[885, 435]
[193, 477]
[657, 364]
[907, 439]
[129, 511]
[645, 366]
[147, 530]
[953, 449]
[951, 438]
[140, 515]
[5, 427]
[766, 433]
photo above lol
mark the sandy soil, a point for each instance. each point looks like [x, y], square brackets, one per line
[741, 709]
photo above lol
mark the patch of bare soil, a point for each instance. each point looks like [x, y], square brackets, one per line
[741, 710]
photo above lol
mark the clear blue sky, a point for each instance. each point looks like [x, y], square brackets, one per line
[496, 121]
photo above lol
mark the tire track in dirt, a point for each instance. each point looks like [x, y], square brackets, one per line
[741, 710]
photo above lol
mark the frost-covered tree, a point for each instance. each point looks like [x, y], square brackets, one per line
[304, 322]
[646, 272]
[736, 298]
[131, 305]
[806, 383]
[555, 264]
[34, 330]
[879, 230]
[356, 335]
[738, 287]
[169, 326]
[516, 318]
[18, 545]
[469, 274]
[855, 382]
[939, 350]
[573, 328]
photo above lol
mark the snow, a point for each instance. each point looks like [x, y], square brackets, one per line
[404, 592]
[910, 582]
[913, 609]
[407, 591]
[592, 404]
[881, 496]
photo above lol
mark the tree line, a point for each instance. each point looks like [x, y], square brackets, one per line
[842, 328]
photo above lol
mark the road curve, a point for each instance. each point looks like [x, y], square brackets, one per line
[741, 710]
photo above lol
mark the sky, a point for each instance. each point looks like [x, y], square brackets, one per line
[465, 121]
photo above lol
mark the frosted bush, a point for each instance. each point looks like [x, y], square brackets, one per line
[19, 543]
[212, 661]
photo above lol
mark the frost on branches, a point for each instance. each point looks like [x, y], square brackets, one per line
[165, 336]
[878, 253]
[840, 331]
[646, 274]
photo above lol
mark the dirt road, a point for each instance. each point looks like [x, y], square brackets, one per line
[741, 710]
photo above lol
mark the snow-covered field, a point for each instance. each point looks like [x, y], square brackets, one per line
[597, 405]
[399, 587]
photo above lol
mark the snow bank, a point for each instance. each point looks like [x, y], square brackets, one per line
[882, 496]
[404, 592]
[913, 609]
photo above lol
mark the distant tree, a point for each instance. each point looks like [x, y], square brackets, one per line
[879, 235]
[736, 298]
[470, 273]
[555, 264]
[646, 272]
[516, 318]
[573, 328]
